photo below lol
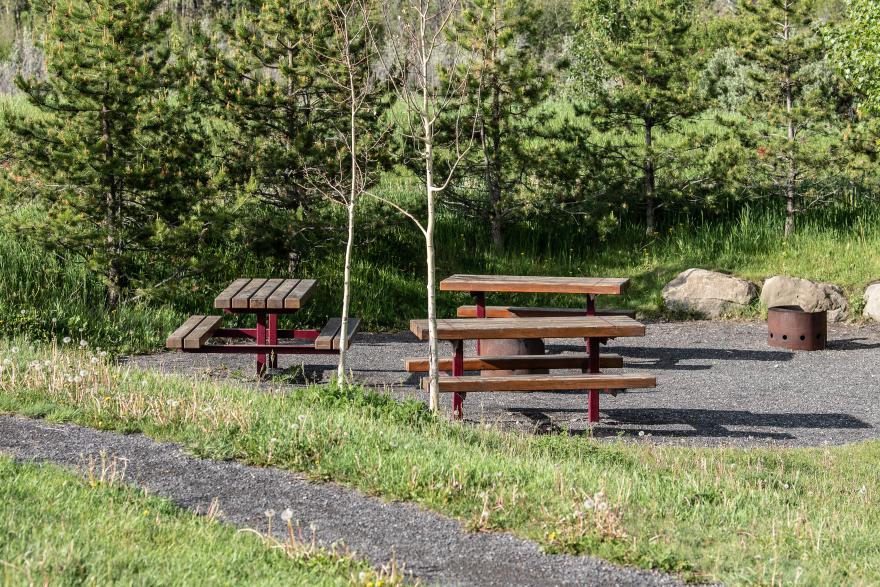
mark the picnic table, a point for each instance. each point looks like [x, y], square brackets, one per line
[266, 299]
[591, 328]
[479, 285]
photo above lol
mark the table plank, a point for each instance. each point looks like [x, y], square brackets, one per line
[498, 328]
[259, 299]
[242, 298]
[276, 300]
[300, 294]
[535, 284]
[224, 300]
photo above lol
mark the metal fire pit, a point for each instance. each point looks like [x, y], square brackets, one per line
[791, 327]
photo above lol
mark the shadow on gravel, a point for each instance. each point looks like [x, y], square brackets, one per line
[713, 423]
[699, 423]
[850, 344]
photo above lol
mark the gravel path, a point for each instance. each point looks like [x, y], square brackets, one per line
[718, 384]
[431, 547]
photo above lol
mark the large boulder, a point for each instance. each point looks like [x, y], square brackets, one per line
[872, 302]
[709, 293]
[809, 295]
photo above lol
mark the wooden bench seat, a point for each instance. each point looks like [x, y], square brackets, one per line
[501, 363]
[329, 338]
[194, 333]
[526, 312]
[537, 383]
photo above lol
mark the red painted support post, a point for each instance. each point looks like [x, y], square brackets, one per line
[480, 302]
[593, 347]
[261, 340]
[457, 371]
[273, 339]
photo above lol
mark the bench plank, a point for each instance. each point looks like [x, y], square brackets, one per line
[300, 294]
[525, 312]
[260, 298]
[489, 363]
[175, 340]
[353, 325]
[560, 327]
[327, 334]
[224, 300]
[533, 383]
[276, 300]
[535, 284]
[242, 298]
[202, 332]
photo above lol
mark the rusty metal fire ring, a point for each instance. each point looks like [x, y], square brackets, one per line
[791, 327]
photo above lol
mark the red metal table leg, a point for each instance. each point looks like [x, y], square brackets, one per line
[457, 371]
[593, 347]
[273, 339]
[480, 302]
[261, 340]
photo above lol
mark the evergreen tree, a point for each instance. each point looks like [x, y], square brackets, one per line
[113, 152]
[791, 137]
[506, 85]
[637, 67]
[281, 114]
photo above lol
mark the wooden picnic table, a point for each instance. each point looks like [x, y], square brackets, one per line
[266, 299]
[591, 328]
[479, 285]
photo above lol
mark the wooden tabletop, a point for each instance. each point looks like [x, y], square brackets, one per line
[265, 294]
[535, 284]
[567, 327]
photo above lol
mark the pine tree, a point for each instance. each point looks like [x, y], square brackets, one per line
[787, 114]
[506, 86]
[113, 152]
[268, 84]
[637, 69]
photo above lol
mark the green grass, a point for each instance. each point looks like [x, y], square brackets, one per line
[757, 516]
[42, 294]
[59, 529]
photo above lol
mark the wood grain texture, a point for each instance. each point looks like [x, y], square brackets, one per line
[259, 299]
[526, 312]
[300, 294]
[487, 363]
[242, 298]
[535, 284]
[175, 339]
[353, 325]
[532, 383]
[224, 299]
[328, 333]
[562, 327]
[276, 299]
[201, 333]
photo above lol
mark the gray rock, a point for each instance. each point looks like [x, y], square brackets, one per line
[872, 302]
[708, 292]
[781, 290]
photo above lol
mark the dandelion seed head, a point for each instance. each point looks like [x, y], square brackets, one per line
[66, 340]
[287, 515]
[269, 513]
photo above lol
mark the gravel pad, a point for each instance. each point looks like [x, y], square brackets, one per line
[718, 383]
[430, 547]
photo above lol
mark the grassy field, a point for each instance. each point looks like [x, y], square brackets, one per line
[42, 294]
[61, 529]
[744, 517]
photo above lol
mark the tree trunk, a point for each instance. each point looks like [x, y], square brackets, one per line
[495, 174]
[650, 182]
[791, 176]
[428, 130]
[113, 219]
[352, 203]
